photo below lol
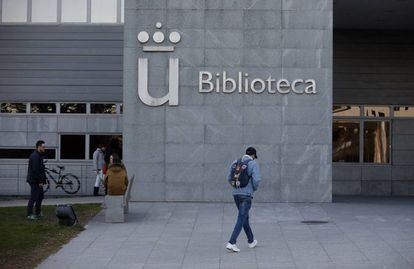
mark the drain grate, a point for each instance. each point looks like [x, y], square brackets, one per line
[315, 221]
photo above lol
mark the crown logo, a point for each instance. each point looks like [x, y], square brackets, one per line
[158, 37]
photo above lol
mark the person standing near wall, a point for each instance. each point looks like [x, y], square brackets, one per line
[98, 165]
[244, 177]
[36, 177]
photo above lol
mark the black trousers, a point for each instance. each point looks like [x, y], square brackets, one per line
[36, 197]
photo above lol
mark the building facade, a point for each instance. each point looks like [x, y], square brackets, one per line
[188, 85]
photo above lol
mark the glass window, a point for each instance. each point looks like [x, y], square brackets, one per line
[107, 141]
[13, 108]
[72, 147]
[345, 146]
[103, 108]
[42, 108]
[103, 11]
[376, 141]
[18, 153]
[74, 10]
[73, 108]
[346, 111]
[44, 10]
[14, 10]
[377, 111]
[404, 111]
[121, 108]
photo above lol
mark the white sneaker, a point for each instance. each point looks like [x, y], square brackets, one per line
[253, 244]
[232, 247]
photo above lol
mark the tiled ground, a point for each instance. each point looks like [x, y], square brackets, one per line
[361, 233]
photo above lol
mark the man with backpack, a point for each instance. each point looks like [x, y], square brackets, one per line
[244, 177]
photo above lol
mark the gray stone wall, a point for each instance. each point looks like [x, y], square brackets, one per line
[182, 153]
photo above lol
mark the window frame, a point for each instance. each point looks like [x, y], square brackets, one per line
[86, 137]
[361, 119]
[87, 146]
[390, 141]
[351, 119]
[107, 134]
[119, 18]
[14, 102]
[29, 108]
[401, 117]
[88, 108]
[117, 109]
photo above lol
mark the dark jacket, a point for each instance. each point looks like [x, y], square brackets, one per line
[36, 169]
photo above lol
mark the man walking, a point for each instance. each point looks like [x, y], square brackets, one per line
[244, 176]
[36, 177]
[98, 165]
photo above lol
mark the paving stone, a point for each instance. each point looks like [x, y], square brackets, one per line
[361, 234]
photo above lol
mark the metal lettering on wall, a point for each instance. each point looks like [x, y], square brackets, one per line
[207, 82]
[173, 72]
[244, 84]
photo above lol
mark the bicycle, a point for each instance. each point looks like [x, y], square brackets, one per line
[68, 182]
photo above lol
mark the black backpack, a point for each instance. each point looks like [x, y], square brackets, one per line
[239, 175]
[66, 215]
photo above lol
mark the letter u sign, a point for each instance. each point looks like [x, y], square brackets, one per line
[143, 93]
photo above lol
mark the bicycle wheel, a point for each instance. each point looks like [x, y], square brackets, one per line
[46, 186]
[70, 184]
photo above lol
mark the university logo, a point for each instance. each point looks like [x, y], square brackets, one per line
[173, 71]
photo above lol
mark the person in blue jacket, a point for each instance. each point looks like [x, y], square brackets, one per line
[243, 198]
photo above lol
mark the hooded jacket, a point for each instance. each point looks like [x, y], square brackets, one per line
[116, 180]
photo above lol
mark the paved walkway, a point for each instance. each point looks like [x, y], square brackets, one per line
[361, 233]
[55, 201]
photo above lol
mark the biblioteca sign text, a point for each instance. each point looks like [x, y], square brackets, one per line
[243, 83]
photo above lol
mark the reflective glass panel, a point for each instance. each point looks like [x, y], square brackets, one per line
[74, 10]
[13, 108]
[346, 111]
[42, 108]
[19, 153]
[376, 141]
[345, 146]
[44, 10]
[376, 111]
[96, 140]
[103, 108]
[73, 108]
[103, 11]
[403, 111]
[14, 10]
[72, 147]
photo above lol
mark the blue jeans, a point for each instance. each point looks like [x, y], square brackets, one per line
[243, 204]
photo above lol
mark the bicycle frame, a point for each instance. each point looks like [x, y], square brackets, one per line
[68, 182]
[57, 182]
